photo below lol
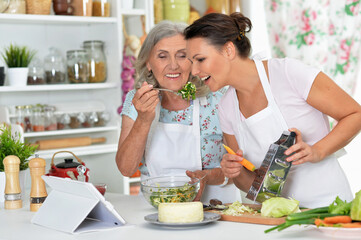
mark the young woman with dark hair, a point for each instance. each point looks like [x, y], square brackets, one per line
[268, 97]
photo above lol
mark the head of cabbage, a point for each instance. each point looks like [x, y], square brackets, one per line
[279, 207]
[356, 207]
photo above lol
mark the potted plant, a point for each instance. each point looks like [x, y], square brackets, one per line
[17, 58]
[11, 144]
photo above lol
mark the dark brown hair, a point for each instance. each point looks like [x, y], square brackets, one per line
[220, 28]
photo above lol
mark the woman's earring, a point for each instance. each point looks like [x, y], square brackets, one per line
[150, 74]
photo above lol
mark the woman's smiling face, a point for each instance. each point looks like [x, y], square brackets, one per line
[169, 63]
[209, 63]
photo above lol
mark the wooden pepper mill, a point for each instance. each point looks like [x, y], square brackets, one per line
[38, 192]
[12, 185]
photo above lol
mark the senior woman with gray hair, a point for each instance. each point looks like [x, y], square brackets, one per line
[170, 135]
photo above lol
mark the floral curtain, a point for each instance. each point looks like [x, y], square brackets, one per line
[322, 33]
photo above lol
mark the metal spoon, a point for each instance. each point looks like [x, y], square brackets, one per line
[168, 90]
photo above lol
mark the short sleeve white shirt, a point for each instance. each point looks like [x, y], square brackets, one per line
[291, 82]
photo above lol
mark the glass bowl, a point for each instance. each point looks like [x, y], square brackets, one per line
[169, 189]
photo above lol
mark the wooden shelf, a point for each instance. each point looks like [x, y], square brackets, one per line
[54, 19]
[59, 87]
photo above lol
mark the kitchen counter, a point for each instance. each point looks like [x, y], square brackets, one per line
[15, 224]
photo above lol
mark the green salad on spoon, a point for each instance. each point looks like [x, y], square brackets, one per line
[188, 91]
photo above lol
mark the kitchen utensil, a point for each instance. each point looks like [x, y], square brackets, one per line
[167, 90]
[38, 192]
[169, 189]
[12, 185]
[62, 169]
[273, 172]
[67, 142]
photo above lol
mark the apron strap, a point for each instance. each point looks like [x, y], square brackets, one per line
[267, 90]
[153, 127]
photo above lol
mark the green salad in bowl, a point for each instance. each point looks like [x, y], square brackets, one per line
[169, 189]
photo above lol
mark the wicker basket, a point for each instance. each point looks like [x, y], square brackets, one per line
[38, 7]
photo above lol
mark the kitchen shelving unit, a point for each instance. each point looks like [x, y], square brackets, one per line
[40, 32]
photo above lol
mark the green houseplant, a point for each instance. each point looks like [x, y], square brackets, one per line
[17, 58]
[11, 145]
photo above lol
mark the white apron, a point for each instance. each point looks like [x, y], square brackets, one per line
[172, 149]
[309, 182]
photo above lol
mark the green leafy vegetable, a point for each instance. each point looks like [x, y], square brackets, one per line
[188, 91]
[356, 207]
[185, 193]
[279, 206]
[237, 209]
[340, 207]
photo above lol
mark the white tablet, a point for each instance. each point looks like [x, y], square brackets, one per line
[74, 207]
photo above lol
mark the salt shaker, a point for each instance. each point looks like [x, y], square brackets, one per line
[12, 185]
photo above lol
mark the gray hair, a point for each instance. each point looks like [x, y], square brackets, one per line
[162, 30]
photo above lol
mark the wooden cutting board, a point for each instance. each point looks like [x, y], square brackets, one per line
[251, 218]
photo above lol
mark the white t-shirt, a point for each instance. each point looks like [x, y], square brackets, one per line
[290, 82]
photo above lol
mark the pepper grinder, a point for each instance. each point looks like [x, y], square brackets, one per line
[12, 185]
[38, 192]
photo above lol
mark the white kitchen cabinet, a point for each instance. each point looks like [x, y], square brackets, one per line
[40, 32]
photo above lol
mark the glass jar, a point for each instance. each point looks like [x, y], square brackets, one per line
[97, 61]
[19, 116]
[220, 6]
[176, 10]
[76, 120]
[38, 119]
[103, 119]
[63, 121]
[101, 8]
[54, 66]
[78, 67]
[16, 7]
[158, 11]
[28, 118]
[91, 119]
[82, 7]
[50, 121]
[36, 73]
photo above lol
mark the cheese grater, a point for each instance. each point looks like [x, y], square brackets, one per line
[273, 172]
